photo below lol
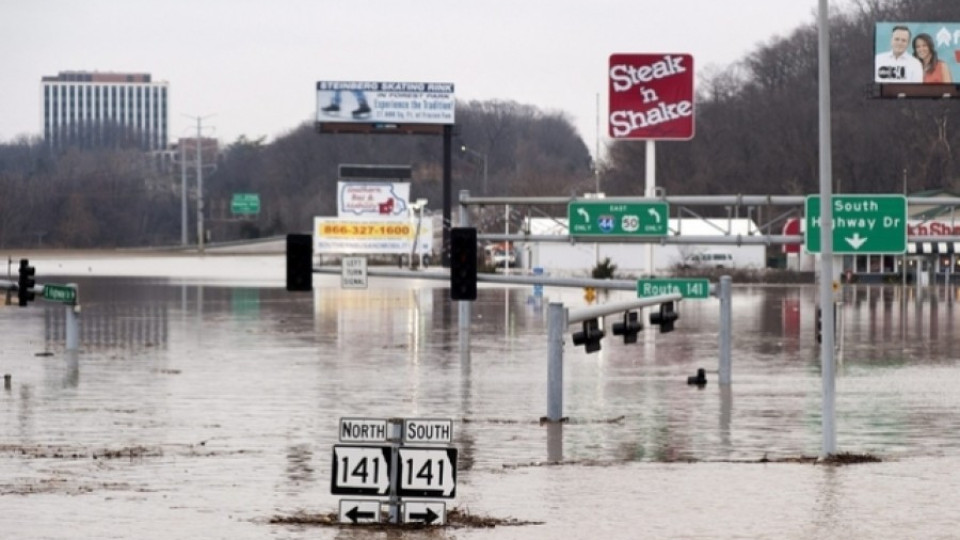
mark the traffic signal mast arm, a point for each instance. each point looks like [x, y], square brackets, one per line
[593, 312]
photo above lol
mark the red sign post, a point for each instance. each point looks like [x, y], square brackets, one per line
[651, 96]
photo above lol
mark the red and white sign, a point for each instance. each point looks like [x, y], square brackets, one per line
[651, 96]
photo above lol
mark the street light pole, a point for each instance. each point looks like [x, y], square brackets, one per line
[483, 159]
[199, 164]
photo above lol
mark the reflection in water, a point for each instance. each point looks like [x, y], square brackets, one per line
[299, 466]
[554, 441]
[111, 325]
[242, 392]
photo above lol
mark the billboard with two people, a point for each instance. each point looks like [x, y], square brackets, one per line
[917, 53]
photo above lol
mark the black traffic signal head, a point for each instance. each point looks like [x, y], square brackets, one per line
[299, 262]
[629, 328]
[819, 325]
[665, 317]
[463, 263]
[25, 283]
[590, 336]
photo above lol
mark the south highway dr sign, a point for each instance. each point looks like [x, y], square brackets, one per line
[862, 224]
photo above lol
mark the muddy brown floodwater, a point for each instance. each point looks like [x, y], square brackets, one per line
[206, 408]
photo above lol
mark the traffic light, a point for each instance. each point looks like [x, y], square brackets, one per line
[463, 263]
[299, 262]
[665, 317]
[26, 282]
[819, 324]
[629, 328]
[590, 336]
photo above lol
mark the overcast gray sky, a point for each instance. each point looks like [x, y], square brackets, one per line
[252, 65]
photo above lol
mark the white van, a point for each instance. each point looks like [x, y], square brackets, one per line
[709, 260]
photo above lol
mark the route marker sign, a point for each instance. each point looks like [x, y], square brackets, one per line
[426, 512]
[602, 218]
[360, 470]
[359, 511]
[360, 430]
[427, 472]
[427, 430]
[690, 288]
[862, 224]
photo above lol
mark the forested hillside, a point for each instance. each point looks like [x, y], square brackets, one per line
[756, 133]
[756, 121]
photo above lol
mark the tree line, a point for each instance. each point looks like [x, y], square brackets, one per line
[119, 196]
[757, 120]
[756, 133]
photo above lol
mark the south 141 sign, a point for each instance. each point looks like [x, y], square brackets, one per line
[862, 224]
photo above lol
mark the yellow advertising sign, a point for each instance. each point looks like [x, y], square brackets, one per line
[345, 236]
[365, 229]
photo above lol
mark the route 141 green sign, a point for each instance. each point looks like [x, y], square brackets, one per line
[690, 288]
[862, 224]
[602, 218]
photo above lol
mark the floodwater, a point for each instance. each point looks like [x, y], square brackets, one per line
[206, 408]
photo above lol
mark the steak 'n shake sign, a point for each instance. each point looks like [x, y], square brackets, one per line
[651, 96]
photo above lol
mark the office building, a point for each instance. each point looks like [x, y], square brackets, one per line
[93, 109]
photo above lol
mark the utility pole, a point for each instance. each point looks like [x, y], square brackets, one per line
[200, 231]
[183, 196]
[201, 236]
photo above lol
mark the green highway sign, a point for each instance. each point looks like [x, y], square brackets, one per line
[245, 203]
[693, 288]
[60, 293]
[600, 218]
[867, 224]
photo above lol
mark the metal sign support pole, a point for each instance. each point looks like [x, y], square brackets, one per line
[464, 307]
[447, 193]
[827, 366]
[394, 436]
[726, 330]
[556, 324]
[72, 323]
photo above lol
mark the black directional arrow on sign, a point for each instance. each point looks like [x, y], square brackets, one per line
[355, 514]
[427, 517]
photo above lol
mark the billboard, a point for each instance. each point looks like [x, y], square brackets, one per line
[381, 201]
[916, 53]
[334, 235]
[364, 102]
[651, 96]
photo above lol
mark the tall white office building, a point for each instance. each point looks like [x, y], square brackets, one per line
[92, 109]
